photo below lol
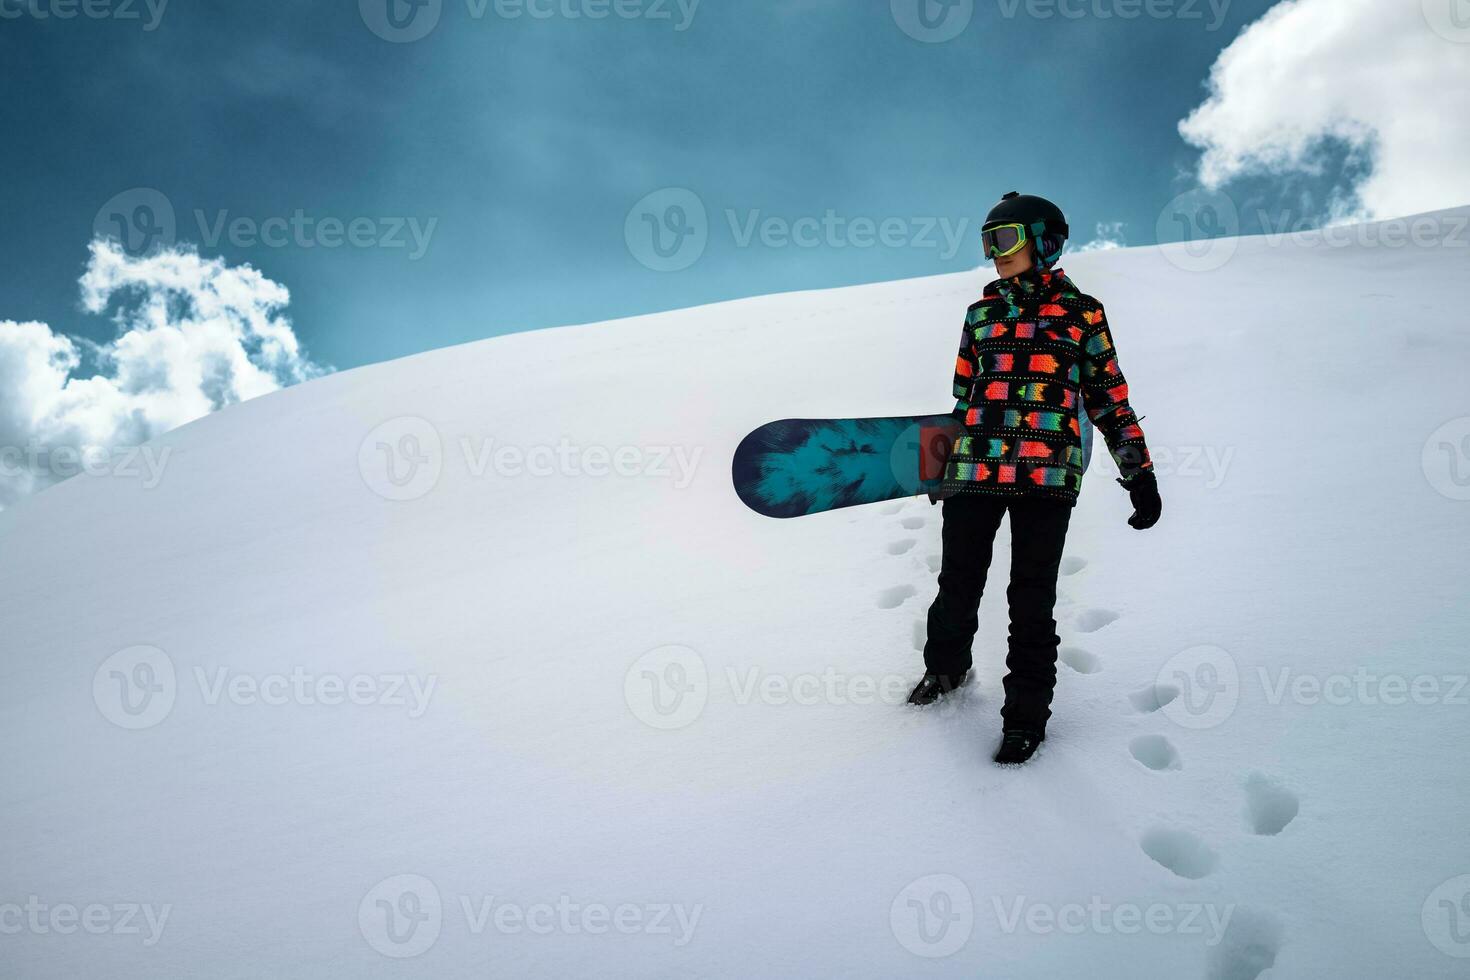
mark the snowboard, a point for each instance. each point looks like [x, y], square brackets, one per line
[796, 467]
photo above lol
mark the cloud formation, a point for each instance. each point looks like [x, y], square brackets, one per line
[194, 335]
[1109, 236]
[1387, 81]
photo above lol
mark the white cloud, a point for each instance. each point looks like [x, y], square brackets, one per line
[194, 335]
[1109, 236]
[1371, 75]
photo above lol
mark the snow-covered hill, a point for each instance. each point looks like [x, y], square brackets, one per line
[350, 683]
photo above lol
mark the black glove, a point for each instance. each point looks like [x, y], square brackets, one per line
[1143, 489]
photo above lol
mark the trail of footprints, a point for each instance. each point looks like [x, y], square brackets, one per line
[1253, 938]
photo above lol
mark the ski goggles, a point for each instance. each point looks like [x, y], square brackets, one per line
[999, 241]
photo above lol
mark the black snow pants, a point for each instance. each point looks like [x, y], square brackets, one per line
[1038, 533]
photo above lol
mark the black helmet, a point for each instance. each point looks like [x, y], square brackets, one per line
[1043, 219]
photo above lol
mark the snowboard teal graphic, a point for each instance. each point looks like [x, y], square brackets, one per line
[796, 467]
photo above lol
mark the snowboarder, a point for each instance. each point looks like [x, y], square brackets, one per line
[1034, 352]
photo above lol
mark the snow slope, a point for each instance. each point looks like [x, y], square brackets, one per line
[654, 734]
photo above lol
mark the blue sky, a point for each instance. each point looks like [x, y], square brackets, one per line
[488, 169]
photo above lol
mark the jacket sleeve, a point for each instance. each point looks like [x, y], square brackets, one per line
[1105, 396]
[965, 369]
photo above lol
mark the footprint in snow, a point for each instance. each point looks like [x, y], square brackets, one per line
[1153, 697]
[1269, 807]
[1179, 851]
[913, 523]
[888, 510]
[896, 596]
[1249, 947]
[1071, 565]
[1092, 620]
[1080, 660]
[933, 562]
[1155, 752]
[902, 546]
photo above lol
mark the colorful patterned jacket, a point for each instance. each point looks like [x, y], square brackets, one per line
[1035, 351]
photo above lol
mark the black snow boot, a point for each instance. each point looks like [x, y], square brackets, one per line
[1017, 747]
[935, 686]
